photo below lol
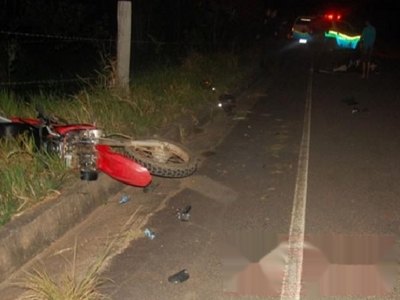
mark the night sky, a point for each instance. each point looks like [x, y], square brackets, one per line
[177, 25]
[64, 16]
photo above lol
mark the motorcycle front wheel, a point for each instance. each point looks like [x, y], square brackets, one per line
[162, 158]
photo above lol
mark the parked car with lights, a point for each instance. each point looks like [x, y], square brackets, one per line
[329, 29]
[302, 29]
[340, 34]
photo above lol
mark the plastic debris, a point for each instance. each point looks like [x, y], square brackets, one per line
[183, 214]
[179, 277]
[357, 110]
[124, 199]
[149, 234]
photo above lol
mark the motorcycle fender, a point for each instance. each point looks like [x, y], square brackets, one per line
[121, 168]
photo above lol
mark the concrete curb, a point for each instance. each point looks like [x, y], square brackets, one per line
[27, 235]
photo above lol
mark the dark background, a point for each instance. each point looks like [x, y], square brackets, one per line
[163, 31]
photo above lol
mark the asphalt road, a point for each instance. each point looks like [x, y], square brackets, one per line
[298, 186]
[346, 214]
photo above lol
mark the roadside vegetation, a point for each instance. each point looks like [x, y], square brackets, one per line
[156, 98]
[71, 285]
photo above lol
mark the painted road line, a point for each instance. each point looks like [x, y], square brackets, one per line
[291, 285]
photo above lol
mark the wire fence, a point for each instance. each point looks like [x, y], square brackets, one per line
[58, 37]
[14, 43]
[39, 55]
[23, 59]
[46, 82]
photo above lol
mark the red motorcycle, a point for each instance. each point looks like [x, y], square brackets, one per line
[86, 148]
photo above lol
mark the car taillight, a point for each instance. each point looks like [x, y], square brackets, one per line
[332, 17]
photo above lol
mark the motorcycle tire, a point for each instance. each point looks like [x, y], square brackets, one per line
[89, 175]
[163, 158]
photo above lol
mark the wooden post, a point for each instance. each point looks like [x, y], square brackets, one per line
[124, 43]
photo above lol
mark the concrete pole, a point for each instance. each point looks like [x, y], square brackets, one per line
[124, 43]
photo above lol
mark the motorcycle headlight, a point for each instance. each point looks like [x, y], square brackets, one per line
[92, 134]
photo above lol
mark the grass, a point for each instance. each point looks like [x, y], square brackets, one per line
[70, 286]
[26, 176]
[75, 284]
[156, 98]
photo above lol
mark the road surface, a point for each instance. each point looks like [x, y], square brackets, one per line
[296, 197]
[302, 191]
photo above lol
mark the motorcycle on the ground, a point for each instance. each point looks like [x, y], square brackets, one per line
[88, 149]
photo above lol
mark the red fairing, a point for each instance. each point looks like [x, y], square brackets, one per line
[30, 121]
[64, 129]
[61, 129]
[121, 168]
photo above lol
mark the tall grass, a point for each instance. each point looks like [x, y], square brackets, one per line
[27, 176]
[71, 285]
[156, 98]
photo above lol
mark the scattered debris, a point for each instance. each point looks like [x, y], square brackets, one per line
[184, 214]
[179, 277]
[227, 102]
[149, 234]
[357, 110]
[350, 101]
[124, 199]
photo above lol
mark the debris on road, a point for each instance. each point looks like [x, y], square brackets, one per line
[350, 101]
[179, 277]
[357, 110]
[124, 199]
[184, 214]
[149, 234]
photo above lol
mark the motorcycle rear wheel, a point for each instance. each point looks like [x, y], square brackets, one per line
[162, 158]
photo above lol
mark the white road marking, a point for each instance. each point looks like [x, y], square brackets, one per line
[291, 285]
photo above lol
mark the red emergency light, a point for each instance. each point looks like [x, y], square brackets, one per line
[332, 17]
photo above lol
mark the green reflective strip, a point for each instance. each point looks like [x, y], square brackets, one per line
[335, 34]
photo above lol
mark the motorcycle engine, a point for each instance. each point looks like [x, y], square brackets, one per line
[79, 152]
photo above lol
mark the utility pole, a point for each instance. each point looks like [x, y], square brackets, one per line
[124, 43]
